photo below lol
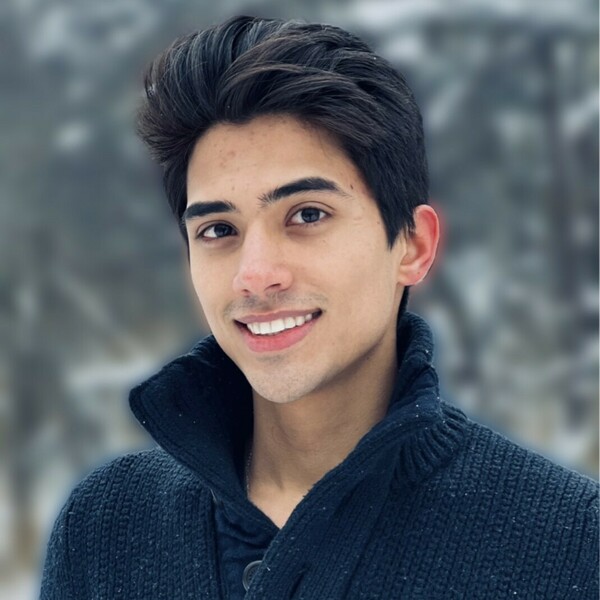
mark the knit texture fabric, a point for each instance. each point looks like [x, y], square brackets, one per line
[428, 505]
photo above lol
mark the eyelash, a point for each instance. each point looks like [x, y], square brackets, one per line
[201, 234]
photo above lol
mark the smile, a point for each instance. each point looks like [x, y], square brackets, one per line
[278, 325]
[276, 332]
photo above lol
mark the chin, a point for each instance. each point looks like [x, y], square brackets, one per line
[283, 390]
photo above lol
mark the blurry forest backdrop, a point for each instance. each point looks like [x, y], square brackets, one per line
[93, 292]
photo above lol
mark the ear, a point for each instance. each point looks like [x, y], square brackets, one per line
[418, 248]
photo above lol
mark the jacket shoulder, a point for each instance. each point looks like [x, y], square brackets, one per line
[500, 459]
[129, 509]
[514, 515]
[139, 475]
[527, 494]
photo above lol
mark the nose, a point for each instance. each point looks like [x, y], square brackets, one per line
[262, 268]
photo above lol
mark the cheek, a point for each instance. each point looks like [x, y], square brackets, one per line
[197, 283]
[366, 288]
[364, 268]
[206, 286]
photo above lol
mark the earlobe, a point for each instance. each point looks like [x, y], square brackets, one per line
[420, 246]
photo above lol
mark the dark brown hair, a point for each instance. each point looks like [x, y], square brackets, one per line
[323, 75]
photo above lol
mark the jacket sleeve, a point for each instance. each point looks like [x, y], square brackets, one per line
[57, 575]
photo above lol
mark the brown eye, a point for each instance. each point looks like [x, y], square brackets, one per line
[219, 230]
[308, 215]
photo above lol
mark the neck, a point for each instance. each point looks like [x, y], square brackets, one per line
[297, 443]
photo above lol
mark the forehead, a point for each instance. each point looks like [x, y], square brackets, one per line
[266, 152]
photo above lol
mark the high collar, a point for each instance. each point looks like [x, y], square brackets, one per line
[198, 408]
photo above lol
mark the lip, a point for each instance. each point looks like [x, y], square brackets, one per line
[277, 341]
[264, 318]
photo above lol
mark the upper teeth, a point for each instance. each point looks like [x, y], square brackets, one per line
[270, 327]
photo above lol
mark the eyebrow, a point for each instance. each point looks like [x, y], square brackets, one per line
[306, 184]
[199, 209]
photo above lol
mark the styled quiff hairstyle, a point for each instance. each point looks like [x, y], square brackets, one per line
[320, 74]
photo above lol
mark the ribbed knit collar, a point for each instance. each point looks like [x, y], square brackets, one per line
[198, 408]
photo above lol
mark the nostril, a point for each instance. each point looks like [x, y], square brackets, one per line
[261, 278]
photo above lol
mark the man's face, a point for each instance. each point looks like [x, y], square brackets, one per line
[289, 258]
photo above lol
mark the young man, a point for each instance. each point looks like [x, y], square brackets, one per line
[303, 449]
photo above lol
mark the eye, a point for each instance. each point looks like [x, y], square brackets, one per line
[308, 215]
[216, 231]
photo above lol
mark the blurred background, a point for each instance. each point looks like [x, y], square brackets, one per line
[93, 290]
